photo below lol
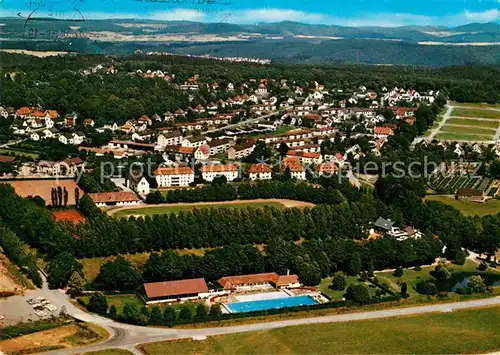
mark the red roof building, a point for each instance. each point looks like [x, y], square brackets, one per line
[175, 290]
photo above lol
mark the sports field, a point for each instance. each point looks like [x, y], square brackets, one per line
[463, 137]
[469, 208]
[472, 122]
[178, 207]
[467, 331]
[468, 130]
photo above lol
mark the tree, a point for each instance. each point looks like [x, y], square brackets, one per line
[339, 282]
[441, 272]
[185, 313]
[201, 311]
[154, 197]
[145, 312]
[495, 169]
[98, 303]
[398, 272]
[427, 287]
[77, 197]
[170, 316]
[61, 268]
[59, 196]
[404, 290]
[113, 314]
[38, 200]
[117, 275]
[354, 265]
[215, 311]
[476, 284]
[65, 197]
[76, 284]
[358, 293]
[283, 149]
[220, 180]
[156, 316]
[131, 314]
[460, 257]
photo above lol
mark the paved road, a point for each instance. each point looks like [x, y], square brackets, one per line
[436, 130]
[129, 336]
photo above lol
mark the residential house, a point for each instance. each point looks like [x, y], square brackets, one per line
[209, 172]
[169, 138]
[239, 151]
[260, 172]
[383, 132]
[202, 152]
[219, 145]
[194, 141]
[174, 177]
[35, 136]
[139, 184]
[122, 198]
[469, 194]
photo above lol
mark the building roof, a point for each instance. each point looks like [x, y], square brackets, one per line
[175, 288]
[294, 168]
[384, 223]
[243, 146]
[111, 197]
[6, 159]
[219, 168]
[230, 282]
[180, 170]
[383, 130]
[328, 167]
[283, 280]
[219, 142]
[259, 168]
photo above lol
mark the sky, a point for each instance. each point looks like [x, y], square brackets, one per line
[387, 13]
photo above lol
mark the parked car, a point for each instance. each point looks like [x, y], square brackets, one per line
[41, 313]
[31, 301]
[50, 307]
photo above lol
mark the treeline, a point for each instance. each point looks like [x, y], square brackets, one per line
[327, 191]
[14, 248]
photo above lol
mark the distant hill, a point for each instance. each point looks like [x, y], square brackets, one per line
[282, 41]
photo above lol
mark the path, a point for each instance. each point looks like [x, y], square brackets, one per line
[243, 123]
[436, 130]
[286, 203]
[130, 336]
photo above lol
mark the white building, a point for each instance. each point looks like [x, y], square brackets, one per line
[122, 198]
[139, 184]
[177, 176]
[260, 172]
[209, 172]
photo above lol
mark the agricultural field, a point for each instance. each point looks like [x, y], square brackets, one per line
[464, 331]
[448, 136]
[475, 112]
[475, 105]
[468, 130]
[469, 208]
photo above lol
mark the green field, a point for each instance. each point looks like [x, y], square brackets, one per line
[475, 105]
[467, 130]
[149, 211]
[469, 208]
[464, 137]
[466, 112]
[473, 122]
[324, 287]
[465, 331]
[18, 152]
[110, 352]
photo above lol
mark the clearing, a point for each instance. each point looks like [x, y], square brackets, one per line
[149, 210]
[67, 336]
[469, 208]
[467, 130]
[448, 136]
[467, 331]
[11, 279]
[475, 105]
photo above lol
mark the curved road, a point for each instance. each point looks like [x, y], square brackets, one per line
[127, 336]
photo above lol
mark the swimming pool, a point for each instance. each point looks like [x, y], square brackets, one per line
[261, 305]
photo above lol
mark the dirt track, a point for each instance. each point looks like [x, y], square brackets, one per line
[284, 202]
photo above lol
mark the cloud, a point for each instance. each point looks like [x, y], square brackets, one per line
[275, 15]
[485, 16]
[180, 15]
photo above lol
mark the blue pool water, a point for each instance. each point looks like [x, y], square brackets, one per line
[261, 305]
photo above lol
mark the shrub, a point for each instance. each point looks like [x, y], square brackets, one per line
[398, 272]
[482, 267]
[358, 293]
[417, 268]
[427, 287]
[185, 313]
[98, 303]
[476, 284]
[441, 272]
[339, 282]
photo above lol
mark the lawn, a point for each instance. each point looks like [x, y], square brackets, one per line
[18, 152]
[473, 122]
[475, 104]
[468, 130]
[469, 208]
[464, 137]
[109, 352]
[465, 331]
[465, 112]
[324, 287]
[149, 211]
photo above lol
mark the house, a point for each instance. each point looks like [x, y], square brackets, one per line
[194, 141]
[88, 122]
[268, 280]
[383, 132]
[145, 120]
[35, 136]
[50, 133]
[209, 172]
[261, 90]
[469, 194]
[173, 291]
[384, 225]
[78, 138]
[202, 152]
[169, 138]
[240, 151]
[176, 176]
[139, 184]
[219, 145]
[71, 166]
[296, 169]
[122, 198]
[327, 169]
[260, 172]
[3, 112]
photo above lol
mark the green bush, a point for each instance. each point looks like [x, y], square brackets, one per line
[358, 293]
[339, 282]
[427, 287]
[398, 272]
